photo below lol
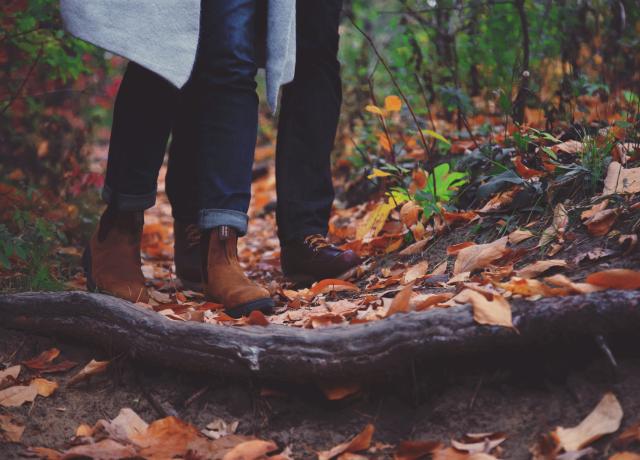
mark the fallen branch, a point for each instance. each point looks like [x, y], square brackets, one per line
[287, 353]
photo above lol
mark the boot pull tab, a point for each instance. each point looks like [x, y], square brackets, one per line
[224, 232]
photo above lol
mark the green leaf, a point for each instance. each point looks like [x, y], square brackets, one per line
[435, 135]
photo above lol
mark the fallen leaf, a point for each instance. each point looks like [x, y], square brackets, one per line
[101, 450]
[539, 267]
[476, 443]
[165, 438]
[571, 147]
[360, 442]
[11, 432]
[518, 236]
[601, 222]
[628, 242]
[414, 272]
[332, 285]
[625, 456]
[456, 248]
[9, 374]
[338, 392]
[422, 302]
[45, 453]
[409, 213]
[400, 303]
[18, 395]
[250, 450]
[125, 427]
[495, 311]
[44, 387]
[84, 431]
[374, 221]
[604, 419]
[616, 278]
[620, 180]
[558, 226]
[42, 360]
[629, 435]
[414, 450]
[479, 256]
[575, 288]
[93, 368]
[440, 269]
[219, 428]
[257, 318]
[415, 248]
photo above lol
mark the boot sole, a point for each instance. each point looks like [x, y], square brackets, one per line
[265, 306]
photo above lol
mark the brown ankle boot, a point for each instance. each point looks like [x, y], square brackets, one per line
[112, 258]
[225, 281]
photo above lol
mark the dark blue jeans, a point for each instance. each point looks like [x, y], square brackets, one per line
[222, 122]
[310, 108]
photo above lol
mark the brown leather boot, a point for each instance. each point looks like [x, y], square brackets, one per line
[225, 281]
[112, 258]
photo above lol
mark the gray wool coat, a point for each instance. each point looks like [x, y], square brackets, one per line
[162, 35]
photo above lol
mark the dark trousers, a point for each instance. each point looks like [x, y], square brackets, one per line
[223, 119]
[310, 107]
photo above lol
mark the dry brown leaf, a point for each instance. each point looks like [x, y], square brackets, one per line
[558, 226]
[616, 278]
[476, 443]
[400, 303]
[360, 442]
[571, 147]
[414, 450]
[18, 395]
[518, 236]
[415, 271]
[126, 426]
[257, 318]
[338, 392]
[494, 311]
[93, 368]
[168, 437]
[629, 435]
[456, 248]
[620, 180]
[409, 213]
[479, 256]
[601, 222]
[422, 302]
[575, 288]
[604, 419]
[43, 359]
[11, 432]
[84, 431]
[45, 453]
[415, 248]
[539, 267]
[10, 374]
[625, 456]
[628, 243]
[440, 269]
[101, 450]
[332, 285]
[251, 450]
[44, 387]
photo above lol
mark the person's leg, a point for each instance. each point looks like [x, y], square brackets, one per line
[182, 191]
[226, 114]
[310, 107]
[141, 122]
[306, 133]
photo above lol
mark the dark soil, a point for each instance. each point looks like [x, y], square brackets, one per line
[522, 395]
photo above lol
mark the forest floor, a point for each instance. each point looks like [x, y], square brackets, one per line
[494, 248]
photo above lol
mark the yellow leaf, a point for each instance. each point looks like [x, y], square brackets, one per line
[495, 311]
[378, 173]
[392, 103]
[435, 135]
[375, 220]
[373, 109]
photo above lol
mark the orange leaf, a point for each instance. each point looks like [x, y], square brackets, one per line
[251, 450]
[332, 285]
[456, 248]
[43, 359]
[414, 450]
[362, 441]
[257, 318]
[479, 256]
[400, 303]
[616, 278]
[524, 171]
[94, 367]
[392, 103]
[338, 392]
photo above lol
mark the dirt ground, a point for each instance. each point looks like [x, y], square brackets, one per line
[522, 395]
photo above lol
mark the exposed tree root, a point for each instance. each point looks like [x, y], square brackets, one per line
[287, 353]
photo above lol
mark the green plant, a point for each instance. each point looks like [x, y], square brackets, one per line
[441, 188]
[595, 159]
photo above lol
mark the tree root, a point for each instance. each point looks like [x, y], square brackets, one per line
[293, 354]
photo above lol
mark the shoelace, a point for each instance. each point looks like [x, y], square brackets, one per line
[317, 242]
[193, 235]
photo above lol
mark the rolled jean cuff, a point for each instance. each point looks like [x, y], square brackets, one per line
[211, 218]
[126, 202]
